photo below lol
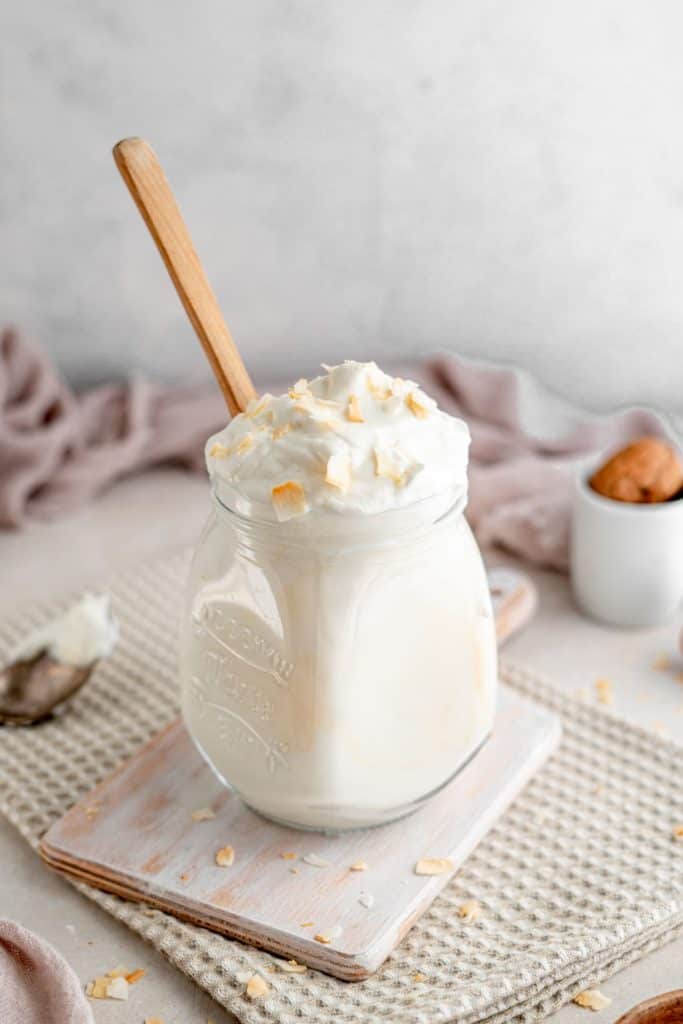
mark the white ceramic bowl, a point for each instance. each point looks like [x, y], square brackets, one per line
[626, 560]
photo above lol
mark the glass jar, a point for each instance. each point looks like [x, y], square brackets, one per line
[337, 671]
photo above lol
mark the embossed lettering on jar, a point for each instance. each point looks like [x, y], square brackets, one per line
[337, 682]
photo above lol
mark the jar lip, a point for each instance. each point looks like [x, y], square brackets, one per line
[395, 516]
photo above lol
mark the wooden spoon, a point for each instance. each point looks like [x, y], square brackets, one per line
[147, 183]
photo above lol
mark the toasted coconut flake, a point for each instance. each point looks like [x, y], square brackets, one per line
[244, 445]
[662, 662]
[256, 987]
[320, 411]
[326, 937]
[418, 405]
[315, 861]
[153, 1020]
[604, 691]
[257, 406]
[359, 865]
[135, 976]
[289, 500]
[306, 924]
[288, 855]
[387, 466]
[677, 832]
[592, 999]
[434, 866]
[338, 472]
[99, 988]
[219, 451]
[300, 389]
[378, 391]
[113, 985]
[292, 967]
[203, 814]
[281, 431]
[117, 988]
[470, 911]
[118, 972]
[353, 412]
[225, 857]
[419, 976]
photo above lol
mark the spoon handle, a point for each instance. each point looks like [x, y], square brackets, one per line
[147, 184]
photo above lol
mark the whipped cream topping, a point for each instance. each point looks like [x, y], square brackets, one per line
[354, 440]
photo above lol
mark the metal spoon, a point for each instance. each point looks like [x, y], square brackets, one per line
[30, 690]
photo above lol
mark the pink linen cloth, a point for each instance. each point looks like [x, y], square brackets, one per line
[37, 986]
[527, 448]
[59, 449]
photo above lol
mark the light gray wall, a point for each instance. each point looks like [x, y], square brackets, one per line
[362, 177]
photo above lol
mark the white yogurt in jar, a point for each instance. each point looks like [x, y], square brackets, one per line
[339, 659]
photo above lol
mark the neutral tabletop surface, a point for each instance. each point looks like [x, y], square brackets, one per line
[143, 516]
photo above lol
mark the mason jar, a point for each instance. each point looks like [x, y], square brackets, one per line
[338, 670]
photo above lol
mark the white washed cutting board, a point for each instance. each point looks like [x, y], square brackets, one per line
[134, 835]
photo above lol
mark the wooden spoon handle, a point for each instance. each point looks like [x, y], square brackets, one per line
[147, 183]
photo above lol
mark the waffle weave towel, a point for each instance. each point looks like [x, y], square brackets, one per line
[580, 877]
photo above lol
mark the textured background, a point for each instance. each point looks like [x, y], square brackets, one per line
[361, 178]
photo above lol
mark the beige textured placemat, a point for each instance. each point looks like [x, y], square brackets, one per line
[580, 877]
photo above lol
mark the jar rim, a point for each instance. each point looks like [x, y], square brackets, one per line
[400, 521]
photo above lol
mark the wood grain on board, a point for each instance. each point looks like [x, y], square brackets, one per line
[134, 835]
